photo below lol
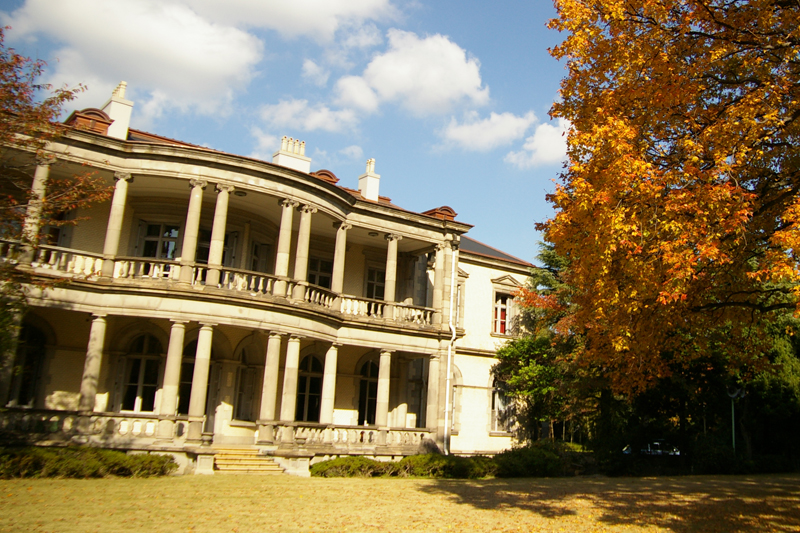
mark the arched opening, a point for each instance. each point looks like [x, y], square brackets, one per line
[142, 365]
[309, 390]
[368, 393]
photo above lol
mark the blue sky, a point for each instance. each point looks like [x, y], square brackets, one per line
[449, 97]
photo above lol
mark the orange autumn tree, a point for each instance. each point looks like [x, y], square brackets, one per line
[679, 208]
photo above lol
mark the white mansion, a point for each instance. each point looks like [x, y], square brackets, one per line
[221, 303]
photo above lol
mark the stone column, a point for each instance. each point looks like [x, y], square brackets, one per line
[284, 246]
[217, 245]
[191, 230]
[197, 400]
[94, 360]
[337, 279]
[115, 220]
[301, 257]
[290, 370]
[329, 385]
[269, 389]
[402, 394]
[391, 275]
[438, 284]
[33, 214]
[384, 377]
[432, 409]
[172, 381]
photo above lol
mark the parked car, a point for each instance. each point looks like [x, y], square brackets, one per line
[657, 447]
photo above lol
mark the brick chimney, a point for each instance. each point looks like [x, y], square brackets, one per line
[119, 110]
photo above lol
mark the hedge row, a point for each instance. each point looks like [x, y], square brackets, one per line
[539, 460]
[80, 463]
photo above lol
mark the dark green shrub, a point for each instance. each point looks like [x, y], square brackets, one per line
[530, 461]
[353, 466]
[433, 465]
[80, 463]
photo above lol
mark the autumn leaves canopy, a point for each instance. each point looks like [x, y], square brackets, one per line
[679, 208]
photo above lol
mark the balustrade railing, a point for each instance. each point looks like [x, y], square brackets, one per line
[349, 438]
[247, 281]
[365, 307]
[74, 263]
[68, 261]
[422, 316]
[146, 267]
[315, 294]
[111, 428]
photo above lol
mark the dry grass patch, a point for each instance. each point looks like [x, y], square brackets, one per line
[282, 503]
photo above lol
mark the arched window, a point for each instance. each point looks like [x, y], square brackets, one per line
[309, 390]
[368, 393]
[141, 374]
[28, 366]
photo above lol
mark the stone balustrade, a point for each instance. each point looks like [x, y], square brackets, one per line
[68, 261]
[364, 307]
[88, 266]
[37, 425]
[146, 267]
[348, 439]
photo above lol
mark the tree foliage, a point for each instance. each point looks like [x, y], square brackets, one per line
[678, 211]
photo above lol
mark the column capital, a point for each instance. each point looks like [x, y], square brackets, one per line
[276, 334]
[336, 345]
[45, 159]
[224, 187]
[393, 237]
[99, 315]
[308, 208]
[178, 322]
[288, 202]
[123, 176]
[195, 182]
[435, 357]
[296, 336]
[208, 325]
[390, 352]
[342, 225]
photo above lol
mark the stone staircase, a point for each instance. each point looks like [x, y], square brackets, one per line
[244, 461]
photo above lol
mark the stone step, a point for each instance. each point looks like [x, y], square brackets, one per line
[244, 461]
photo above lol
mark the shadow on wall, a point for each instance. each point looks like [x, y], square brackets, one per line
[730, 504]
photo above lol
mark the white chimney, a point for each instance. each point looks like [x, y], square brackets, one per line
[293, 155]
[119, 110]
[369, 182]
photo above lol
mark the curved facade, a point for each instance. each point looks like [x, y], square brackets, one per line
[221, 301]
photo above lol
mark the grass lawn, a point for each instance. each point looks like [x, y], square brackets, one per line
[282, 503]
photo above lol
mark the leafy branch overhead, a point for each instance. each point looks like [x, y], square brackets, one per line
[679, 208]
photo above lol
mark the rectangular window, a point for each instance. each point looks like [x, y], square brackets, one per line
[502, 314]
[160, 241]
[320, 272]
[376, 282]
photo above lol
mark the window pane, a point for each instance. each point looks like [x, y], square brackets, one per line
[129, 398]
[150, 372]
[148, 398]
[171, 232]
[168, 249]
[153, 230]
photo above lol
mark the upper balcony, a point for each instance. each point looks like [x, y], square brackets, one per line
[186, 218]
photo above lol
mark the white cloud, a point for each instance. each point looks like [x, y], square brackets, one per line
[489, 133]
[299, 115]
[425, 75]
[266, 144]
[317, 19]
[352, 152]
[314, 73]
[362, 37]
[163, 49]
[546, 146]
[355, 92]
